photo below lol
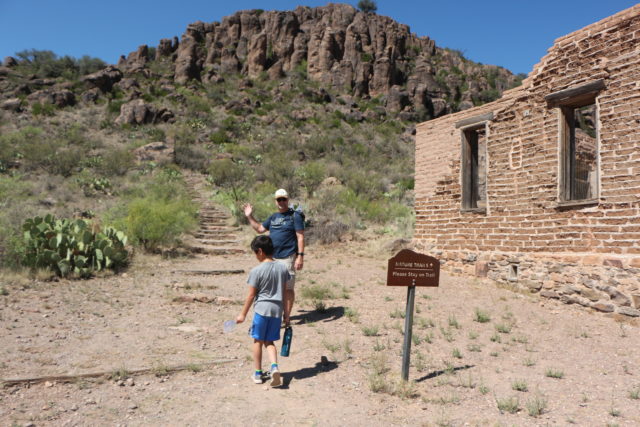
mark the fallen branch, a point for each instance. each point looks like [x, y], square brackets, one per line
[141, 371]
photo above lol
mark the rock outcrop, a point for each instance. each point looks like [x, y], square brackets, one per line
[137, 112]
[362, 53]
[104, 79]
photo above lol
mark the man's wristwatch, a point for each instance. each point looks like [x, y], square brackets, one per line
[300, 254]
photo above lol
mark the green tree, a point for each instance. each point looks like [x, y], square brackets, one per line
[367, 6]
[45, 63]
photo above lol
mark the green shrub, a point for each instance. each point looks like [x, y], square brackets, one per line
[311, 176]
[113, 107]
[45, 109]
[191, 156]
[117, 162]
[317, 292]
[481, 316]
[152, 223]
[45, 63]
[68, 246]
[230, 175]
[160, 212]
[367, 6]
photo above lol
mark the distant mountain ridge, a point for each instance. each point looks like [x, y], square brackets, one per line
[362, 54]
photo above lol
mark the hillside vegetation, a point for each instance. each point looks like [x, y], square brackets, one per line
[81, 139]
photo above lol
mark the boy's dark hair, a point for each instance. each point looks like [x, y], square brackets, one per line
[264, 243]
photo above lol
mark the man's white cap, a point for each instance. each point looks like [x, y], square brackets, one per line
[282, 193]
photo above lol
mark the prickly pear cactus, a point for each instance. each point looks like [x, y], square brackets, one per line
[69, 246]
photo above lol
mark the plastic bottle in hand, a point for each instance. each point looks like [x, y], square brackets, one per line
[286, 342]
[229, 326]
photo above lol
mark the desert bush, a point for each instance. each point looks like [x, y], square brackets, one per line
[43, 109]
[65, 161]
[367, 6]
[116, 162]
[159, 212]
[508, 404]
[536, 406]
[311, 176]
[191, 156]
[481, 316]
[114, 106]
[379, 211]
[317, 292]
[230, 175]
[327, 232]
[152, 223]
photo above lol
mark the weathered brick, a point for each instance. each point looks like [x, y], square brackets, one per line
[523, 214]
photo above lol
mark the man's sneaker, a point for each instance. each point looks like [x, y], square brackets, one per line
[276, 378]
[257, 377]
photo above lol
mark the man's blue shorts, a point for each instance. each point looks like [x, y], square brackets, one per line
[265, 328]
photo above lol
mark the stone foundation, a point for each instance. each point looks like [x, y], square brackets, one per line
[603, 283]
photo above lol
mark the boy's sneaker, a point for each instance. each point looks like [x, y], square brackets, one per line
[257, 377]
[276, 378]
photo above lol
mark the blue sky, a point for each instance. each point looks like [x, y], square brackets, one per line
[511, 33]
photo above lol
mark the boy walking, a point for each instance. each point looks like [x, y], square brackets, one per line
[266, 291]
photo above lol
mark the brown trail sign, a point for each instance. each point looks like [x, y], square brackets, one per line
[411, 269]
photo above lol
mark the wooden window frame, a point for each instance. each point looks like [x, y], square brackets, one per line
[566, 101]
[469, 173]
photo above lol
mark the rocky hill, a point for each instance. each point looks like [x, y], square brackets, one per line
[321, 101]
[362, 54]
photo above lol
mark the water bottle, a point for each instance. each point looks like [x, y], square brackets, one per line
[286, 342]
[229, 326]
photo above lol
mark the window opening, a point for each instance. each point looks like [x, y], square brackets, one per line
[580, 174]
[474, 166]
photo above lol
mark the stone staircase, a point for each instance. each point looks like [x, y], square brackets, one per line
[214, 236]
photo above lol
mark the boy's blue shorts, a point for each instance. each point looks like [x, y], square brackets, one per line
[265, 328]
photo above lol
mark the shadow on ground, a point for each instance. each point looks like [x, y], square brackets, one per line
[444, 371]
[310, 316]
[323, 366]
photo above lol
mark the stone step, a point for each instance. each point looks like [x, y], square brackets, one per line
[204, 236]
[216, 242]
[215, 222]
[214, 250]
[205, 227]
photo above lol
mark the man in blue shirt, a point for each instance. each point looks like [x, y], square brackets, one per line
[286, 229]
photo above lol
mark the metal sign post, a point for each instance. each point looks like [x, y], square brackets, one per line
[408, 332]
[411, 269]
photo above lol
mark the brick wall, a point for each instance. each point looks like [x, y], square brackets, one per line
[588, 254]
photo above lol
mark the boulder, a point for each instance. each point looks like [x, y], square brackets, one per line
[58, 97]
[104, 79]
[140, 56]
[90, 96]
[167, 47]
[603, 306]
[138, 112]
[628, 311]
[12, 104]
[158, 152]
[128, 84]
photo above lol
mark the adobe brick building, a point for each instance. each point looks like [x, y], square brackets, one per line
[541, 188]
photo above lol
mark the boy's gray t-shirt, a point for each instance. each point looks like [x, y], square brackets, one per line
[269, 278]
